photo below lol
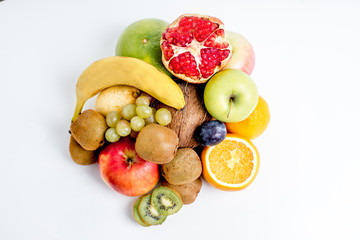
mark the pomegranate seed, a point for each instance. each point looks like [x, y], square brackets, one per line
[167, 50]
[224, 54]
[216, 40]
[210, 58]
[177, 64]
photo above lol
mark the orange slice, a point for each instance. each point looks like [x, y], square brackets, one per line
[232, 164]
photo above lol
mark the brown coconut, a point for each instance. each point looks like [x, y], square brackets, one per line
[185, 121]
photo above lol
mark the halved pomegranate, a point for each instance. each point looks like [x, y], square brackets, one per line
[195, 47]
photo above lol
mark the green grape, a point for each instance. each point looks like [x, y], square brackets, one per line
[143, 111]
[137, 123]
[123, 128]
[163, 116]
[143, 100]
[128, 111]
[111, 135]
[112, 118]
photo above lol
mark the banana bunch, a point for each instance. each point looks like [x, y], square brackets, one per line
[129, 71]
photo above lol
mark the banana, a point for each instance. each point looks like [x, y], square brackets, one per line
[129, 71]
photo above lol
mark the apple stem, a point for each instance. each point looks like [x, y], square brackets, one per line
[130, 162]
[231, 101]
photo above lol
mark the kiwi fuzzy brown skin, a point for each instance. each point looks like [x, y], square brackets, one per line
[184, 168]
[188, 191]
[185, 121]
[156, 144]
[80, 155]
[89, 130]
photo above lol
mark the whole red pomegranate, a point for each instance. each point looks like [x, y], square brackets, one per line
[195, 47]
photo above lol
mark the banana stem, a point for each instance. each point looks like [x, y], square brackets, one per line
[79, 106]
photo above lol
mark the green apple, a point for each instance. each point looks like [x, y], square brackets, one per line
[230, 95]
[141, 40]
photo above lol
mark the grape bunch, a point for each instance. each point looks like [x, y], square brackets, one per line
[134, 117]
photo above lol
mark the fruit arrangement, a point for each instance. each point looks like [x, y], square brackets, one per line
[176, 105]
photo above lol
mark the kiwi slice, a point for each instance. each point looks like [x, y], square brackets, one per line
[136, 213]
[148, 213]
[166, 200]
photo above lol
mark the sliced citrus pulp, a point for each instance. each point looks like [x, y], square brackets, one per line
[232, 164]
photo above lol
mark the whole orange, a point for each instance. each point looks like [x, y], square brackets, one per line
[254, 125]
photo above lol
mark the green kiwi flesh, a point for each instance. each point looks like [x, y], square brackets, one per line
[166, 200]
[148, 212]
[136, 214]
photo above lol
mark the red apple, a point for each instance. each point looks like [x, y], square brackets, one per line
[243, 55]
[124, 171]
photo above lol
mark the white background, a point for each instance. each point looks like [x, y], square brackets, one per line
[307, 69]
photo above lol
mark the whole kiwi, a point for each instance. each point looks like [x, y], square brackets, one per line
[80, 155]
[89, 130]
[156, 143]
[188, 191]
[184, 168]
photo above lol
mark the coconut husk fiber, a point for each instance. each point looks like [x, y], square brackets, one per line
[185, 121]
